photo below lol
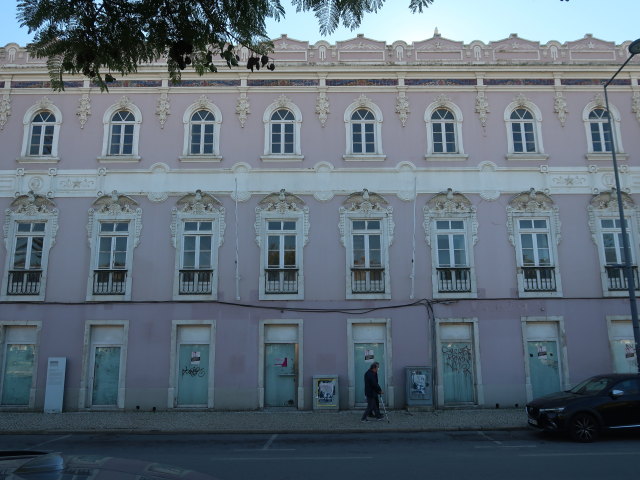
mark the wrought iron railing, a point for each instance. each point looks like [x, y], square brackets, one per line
[539, 279]
[367, 280]
[617, 277]
[24, 282]
[109, 282]
[281, 281]
[195, 282]
[454, 279]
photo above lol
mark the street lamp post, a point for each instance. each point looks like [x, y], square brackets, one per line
[634, 49]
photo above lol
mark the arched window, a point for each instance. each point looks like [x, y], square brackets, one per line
[363, 122]
[363, 138]
[201, 135]
[122, 127]
[202, 122]
[42, 134]
[41, 125]
[121, 132]
[282, 132]
[282, 121]
[443, 119]
[600, 130]
[522, 131]
[600, 136]
[443, 131]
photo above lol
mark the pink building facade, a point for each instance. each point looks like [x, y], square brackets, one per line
[225, 242]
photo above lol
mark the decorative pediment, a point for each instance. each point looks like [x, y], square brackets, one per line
[531, 202]
[32, 204]
[124, 103]
[608, 201]
[514, 43]
[114, 204]
[281, 202]
[199, 202]
[365, 202]
[438, 43]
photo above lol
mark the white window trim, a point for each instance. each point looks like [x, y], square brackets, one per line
[522, 102]
[366, 206]
[605, 206]
[282, 206]
[85, 387]
[123, 104]
[389, 394]
[113, 208]
[533, 204]
[203, 103]
[598, 102]
[29, 208]
[451, 206]
[378, 156]
[172, 391]
[34, 379]
[197, 206]
[282, 102]
[558, 321]
[442, 101]
[43, 105]
[479, 386]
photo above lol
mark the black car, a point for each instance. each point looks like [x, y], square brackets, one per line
[603, 402]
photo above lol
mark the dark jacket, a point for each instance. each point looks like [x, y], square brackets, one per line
[371, 387]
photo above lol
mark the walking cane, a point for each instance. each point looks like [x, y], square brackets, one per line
[384, 409]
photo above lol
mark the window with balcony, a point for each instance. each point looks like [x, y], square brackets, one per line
[282, 121]
[451, 230]
[534, 229]
[366, 228]
[114, 231]
[363, 122]
[41, 131]
[30, 228]
[197, 233]
[282, 227]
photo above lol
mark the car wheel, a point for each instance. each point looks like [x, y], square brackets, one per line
[584, 428]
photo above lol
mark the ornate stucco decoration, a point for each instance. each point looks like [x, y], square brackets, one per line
[533, 202]
[124, 103]
[635, 105]
[243, 108]
[450, 204]
[163, 108]
[402, 107]
[605, 204]
[520, 100]
[44, 104]
[198, 205]
[84, 109]
[322, 107]
[598, 100]
[280, 204]
[363, 101]
[27, 206]
[369, 205]
[204, 103]
[282, 101]
[116, 206]
[482, 108]
[560, 108]
[5, 110]
[442, 100]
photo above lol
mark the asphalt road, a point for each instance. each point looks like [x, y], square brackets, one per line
[499, 455]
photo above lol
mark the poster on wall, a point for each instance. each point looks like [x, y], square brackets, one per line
[325, 390]
[368, 355]
[195, 358]
[419, 386]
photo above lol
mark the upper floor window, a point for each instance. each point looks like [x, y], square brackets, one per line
[598, 128]
[30, 230]
[444, 130]
[451, 231]
[114, 231]
[41, 131]
[534, 230]
[363, 121]
[197, 232]
[202, 122]
[524, 130]
[282, 121]
[121, 132]
[606, 231]
[366, 228]
[282, 226]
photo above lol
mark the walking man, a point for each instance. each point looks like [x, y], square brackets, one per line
[371, 391]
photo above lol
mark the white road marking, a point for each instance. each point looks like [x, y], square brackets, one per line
[262, 459]
[51, 441]
[580, 454]
[481, 433]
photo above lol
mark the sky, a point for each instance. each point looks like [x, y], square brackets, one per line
[460, 20]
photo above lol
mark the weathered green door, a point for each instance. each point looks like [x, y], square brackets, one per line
[457, 372]
[544, 368]
[193, 375]
[17, 375]
[364, 355]
[280, 375]
[106, 376]
[624, 356]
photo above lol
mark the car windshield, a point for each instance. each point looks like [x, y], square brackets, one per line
[591, 386]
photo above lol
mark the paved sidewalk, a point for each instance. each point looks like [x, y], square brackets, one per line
[261, 421]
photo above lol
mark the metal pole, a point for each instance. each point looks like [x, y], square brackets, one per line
[625, 240]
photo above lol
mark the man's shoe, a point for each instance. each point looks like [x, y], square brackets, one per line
[381, 417]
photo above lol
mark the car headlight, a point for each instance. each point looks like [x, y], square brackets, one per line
[552, 410]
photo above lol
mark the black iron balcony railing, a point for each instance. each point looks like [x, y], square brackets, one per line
[617, 277]
[24, 282]
[367, 280]
[195, 282]
[281, 281]
[109, 282]
[539, 279]
[454, 279]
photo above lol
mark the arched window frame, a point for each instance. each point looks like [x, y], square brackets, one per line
[363, 103]
[203, 103]
[521, 102]
[123, 105]
[283, 102]
[598, 102]
[444, 103]
[43, 105]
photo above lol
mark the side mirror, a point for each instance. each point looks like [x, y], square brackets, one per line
[615, 393]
